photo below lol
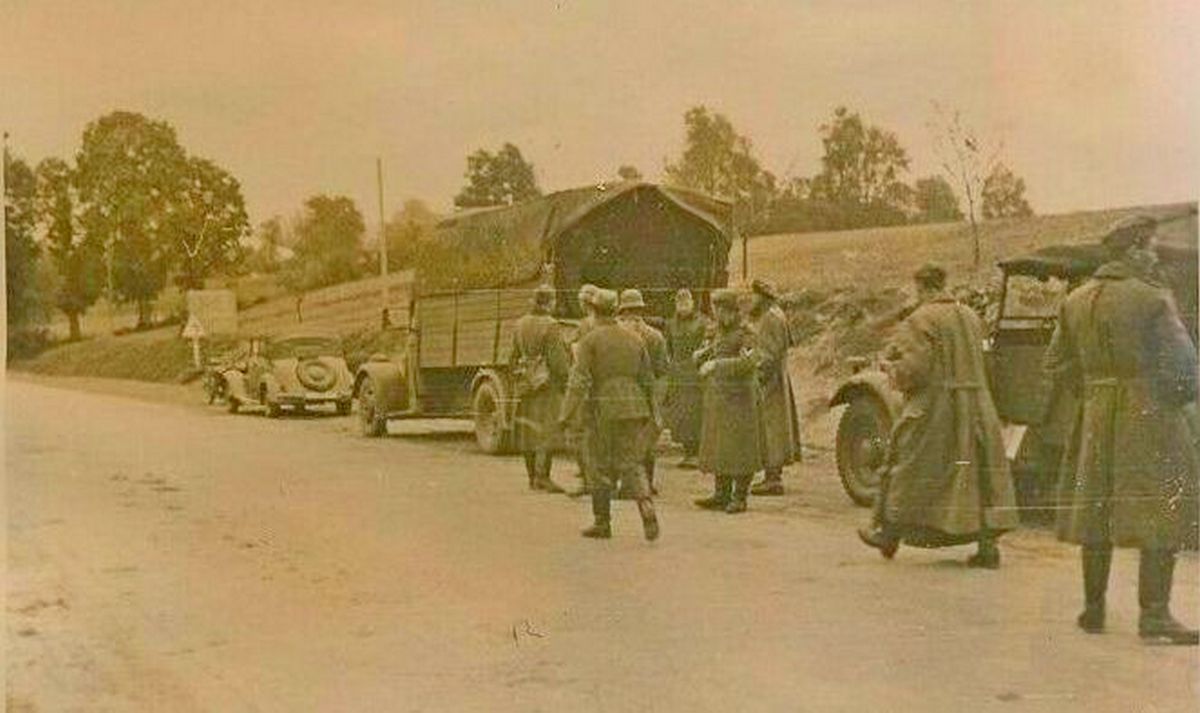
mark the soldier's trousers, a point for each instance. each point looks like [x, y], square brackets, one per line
[616, 451]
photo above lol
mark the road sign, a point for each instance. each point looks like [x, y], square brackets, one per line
[193, 329]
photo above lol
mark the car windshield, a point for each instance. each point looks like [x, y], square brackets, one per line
[1027, 297]
[301, 347]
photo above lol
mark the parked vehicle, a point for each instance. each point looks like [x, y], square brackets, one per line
[1035, 413]
[449, 356]
[296, 371]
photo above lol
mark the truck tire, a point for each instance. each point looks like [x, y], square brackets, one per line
[370, 422]
[487, 407]
[862, 440]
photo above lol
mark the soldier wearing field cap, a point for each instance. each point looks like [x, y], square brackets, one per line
[781, 423]
[612, 383]
[731, 434]
[630, 313]
[539, 362]
[577, 431]
[1129, 472]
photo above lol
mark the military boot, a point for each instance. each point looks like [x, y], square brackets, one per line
[1097, 560]
[720, 497]
[601, 529]
[881, 538]
[649, 518]
[1156, 625]
[987, 556]
[544, 483]
[771, 485]
[531, 470]
[741, 488]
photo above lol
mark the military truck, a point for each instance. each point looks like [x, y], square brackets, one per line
[448, 353]
[1035, 413]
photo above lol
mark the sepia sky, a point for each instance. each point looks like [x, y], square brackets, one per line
[1096, 101]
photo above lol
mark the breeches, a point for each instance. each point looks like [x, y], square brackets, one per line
[616, 452]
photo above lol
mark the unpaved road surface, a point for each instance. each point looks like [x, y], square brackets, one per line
[165, 556]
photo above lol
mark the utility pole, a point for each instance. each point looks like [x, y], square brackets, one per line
[383, 256]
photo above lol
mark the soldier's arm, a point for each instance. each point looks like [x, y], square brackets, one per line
[579, 383]
[1060, 362]
[646, 381]
[558, 359]
[1169, 352]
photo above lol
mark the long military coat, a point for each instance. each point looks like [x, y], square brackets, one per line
[684, 392]
[536, 338]
[781, 423]
[1129, 472]
[948, 477]
[731, 437]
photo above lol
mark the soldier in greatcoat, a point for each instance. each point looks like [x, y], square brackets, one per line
[731, 435]
[947, 480]
[630, 314]
[612, 382]
[1129, 472]
[540, 363]
[781, 423]
[576, 433]
[686, 331]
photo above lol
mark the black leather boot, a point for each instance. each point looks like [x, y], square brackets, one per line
[741, 488]
[720, 497]
[649, 518]
[601, 529]
[881, 538]
[987, 556]
[1097, 561]
[1156, 625]
[771, 485]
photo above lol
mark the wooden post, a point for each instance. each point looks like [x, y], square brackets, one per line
[383, 256]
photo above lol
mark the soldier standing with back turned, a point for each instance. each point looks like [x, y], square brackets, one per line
[1129, 474]
[630, 313]
[540, 365]
[612, 383]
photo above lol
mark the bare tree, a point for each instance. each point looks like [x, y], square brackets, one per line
[966, 160]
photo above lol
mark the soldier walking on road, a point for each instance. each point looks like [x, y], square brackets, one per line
[630, 312]
[577, 430]
[947, 480]
[540, 365]
[686, 332]
[731, 434]
[1129, 473]
[772, 337]
[612, 383]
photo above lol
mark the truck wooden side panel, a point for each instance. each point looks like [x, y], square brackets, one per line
[468, 329]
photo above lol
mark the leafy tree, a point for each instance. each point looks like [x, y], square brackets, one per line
[718, 160]
[78, 261]
[629, 173]
[861, 170]
[1004, 195]
[270, 237]
[502, 178]
[406, 231]
[20, 247]
[935, 201]
[328, 246]
[207, 223]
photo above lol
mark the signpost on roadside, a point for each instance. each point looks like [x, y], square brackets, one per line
[194, 331]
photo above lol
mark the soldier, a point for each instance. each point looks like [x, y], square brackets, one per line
[947, 480]
[1129, 473]
[577, 431]
[686, 332]
[613, 383]
[540, 364]
[772, 337]
[630, 313]
[731, 434]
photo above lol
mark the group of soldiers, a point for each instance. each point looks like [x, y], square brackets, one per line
[721, 386]
[1128, 478]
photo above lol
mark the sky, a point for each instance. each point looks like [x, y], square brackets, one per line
[1095, 101]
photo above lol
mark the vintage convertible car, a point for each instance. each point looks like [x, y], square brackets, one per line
[295, 371]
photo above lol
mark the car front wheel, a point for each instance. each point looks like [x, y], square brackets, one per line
[862, 442]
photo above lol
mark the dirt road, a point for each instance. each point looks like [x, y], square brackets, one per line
[170, 557]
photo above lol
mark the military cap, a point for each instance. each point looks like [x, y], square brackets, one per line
[604, 301]
[764, 288]
[930, 275]
[632, 299]
[1129, 231]
[725, 298]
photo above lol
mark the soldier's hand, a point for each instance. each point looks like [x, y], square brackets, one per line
[707, 368]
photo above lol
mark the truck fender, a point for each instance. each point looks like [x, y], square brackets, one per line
[869, 383]
[391, 387]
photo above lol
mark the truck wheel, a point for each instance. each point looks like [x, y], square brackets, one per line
[862, 441]
[369, 420]
[489, 419]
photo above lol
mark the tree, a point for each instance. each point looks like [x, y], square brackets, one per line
[629, 173]
[77, 260]
[966, 161]
[935, 201]
[207, 223]
[328, 246]
[20, 246]
[502, 178]
[861, 171]
[406, 231]
[1004, 195]
[266, 256]
[718, 160]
